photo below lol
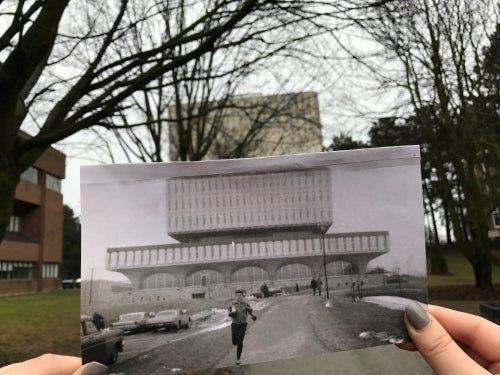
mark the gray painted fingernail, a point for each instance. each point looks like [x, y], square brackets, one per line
[417, 316]
[95, 368]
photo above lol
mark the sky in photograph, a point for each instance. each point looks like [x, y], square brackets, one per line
[372, 190]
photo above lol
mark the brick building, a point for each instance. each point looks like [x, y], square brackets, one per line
[31, 251]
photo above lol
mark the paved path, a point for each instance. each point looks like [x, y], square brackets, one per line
[282, 331]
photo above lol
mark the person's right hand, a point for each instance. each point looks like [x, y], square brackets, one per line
[453, 342]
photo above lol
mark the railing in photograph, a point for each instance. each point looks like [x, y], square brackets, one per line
[193, 253]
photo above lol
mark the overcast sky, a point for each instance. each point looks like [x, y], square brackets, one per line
[372, 190]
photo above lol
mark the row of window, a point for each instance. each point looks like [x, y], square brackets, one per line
[271, 181]
[251, 218]
[248, 199]
[50, 270]
[169, 255]
[26, 270]
[33, 175]
[17, 270]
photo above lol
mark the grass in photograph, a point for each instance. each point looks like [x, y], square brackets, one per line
[39, 323]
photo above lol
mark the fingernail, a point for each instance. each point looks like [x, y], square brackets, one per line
[417, 316]
[95, 368]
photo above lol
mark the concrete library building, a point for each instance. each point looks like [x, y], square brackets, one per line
[238, 231]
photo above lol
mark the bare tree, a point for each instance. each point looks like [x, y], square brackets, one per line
[189, 107]
[32, 45]
[437, 46]
[64, 67]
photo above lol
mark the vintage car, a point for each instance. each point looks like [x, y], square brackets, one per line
[169, 318]
[275, 292]
[99, 345]
[131, 322]
[71, 283]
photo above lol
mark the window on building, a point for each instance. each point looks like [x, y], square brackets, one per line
[17, 270]
[496, 218]
[15, 224]
[53, 183]
[50, 270]
[30, 175]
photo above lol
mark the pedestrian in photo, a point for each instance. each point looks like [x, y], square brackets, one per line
[98, 320]
[265, 290]
[314, 285]
[320, 284]
[296, 288]
[238, 311]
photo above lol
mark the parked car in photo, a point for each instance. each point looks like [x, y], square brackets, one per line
[257, 295]
[275, 292]
[99, 345]
[169, 319]
[131, 322]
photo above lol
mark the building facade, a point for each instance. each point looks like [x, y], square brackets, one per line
[251, 126]
[238, 230]
[31, 251]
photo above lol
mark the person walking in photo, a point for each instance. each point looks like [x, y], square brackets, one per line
[98, 320]
[314, 285]
[238, 311]
[320, 284]
[265, 290]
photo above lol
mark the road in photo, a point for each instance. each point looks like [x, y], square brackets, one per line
[287, 326]
[284, 331]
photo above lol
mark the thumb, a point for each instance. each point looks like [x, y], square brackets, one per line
[437, 347]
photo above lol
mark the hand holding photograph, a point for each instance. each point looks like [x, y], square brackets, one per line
[214, 264]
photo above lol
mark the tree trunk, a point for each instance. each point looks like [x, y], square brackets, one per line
[8, 183]
[482, 270]
[432, 213]
[447, 225]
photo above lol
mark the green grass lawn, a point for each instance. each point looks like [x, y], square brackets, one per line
[39, 323]
[460, 274]
[460, 271]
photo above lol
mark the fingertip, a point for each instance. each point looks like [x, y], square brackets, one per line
[92, 368]
[436, 345]
[417, 316]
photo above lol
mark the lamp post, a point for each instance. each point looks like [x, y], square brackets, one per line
[91, 282]
[324, 261]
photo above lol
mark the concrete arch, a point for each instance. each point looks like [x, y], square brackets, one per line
[147, 281]
[203, 267]
[282, 272]
[265, 274]
[332, 265]
[214, 277]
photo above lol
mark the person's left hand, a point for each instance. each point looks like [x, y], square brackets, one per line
[52, 364]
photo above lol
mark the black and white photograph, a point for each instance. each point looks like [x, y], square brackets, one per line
[190, 266]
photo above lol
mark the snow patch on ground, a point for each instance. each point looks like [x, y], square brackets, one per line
[391, 302]
[382, 336]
